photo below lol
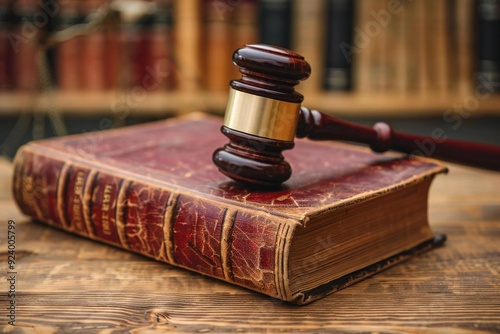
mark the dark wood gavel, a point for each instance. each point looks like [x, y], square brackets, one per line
[264, 115]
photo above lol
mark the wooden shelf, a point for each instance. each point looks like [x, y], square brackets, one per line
[98, 103]
[163, 104]
[399, 105]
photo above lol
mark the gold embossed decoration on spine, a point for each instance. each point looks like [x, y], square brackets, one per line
[261, 116]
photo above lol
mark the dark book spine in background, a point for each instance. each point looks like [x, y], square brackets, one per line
[23, 44]
[140, 50]
[275, 17]
[161, 49]
[440, 46]
[6, 54]
[339, 43]
[114, 55]
[93, 52]
[488, 45]
[128, 38]
[181, 229]
[68, 53]
[48, 66]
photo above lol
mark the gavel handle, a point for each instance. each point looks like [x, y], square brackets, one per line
[317, 126]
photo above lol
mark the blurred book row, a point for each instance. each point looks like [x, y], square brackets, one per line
[441, 46]
[361, 45]
[98, 50]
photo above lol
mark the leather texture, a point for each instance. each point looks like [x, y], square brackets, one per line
[153, 189]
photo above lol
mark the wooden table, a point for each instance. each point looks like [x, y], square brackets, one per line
[65, 283]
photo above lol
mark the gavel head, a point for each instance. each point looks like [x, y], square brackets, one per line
[261, 115]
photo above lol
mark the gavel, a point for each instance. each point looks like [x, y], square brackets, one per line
[264, 115]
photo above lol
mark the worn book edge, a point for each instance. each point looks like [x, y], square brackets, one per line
[321, 291]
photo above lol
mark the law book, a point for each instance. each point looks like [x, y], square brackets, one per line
[420, 70]
[24, 46]
[345, 214]
[187, 52]
[162, 46]
[93, 51]
[398, 59]
[139, 50]
[463, 38]
[217, 37]
[381, 62]
[114, 56]
[308, 31]
[440, 16]
[488, 45]
[245, 29]
[6, 53]
[275, 22]
[363, 54]
[339, 45]
[69, 62]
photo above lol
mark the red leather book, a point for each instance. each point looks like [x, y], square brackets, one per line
[69, 63]
[218, 31]
[24, 50]
[345, 213]
[92, 51]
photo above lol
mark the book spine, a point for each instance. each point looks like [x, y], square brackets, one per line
[379, 66]
[421, 69]
[464, 27]
[114, 57]
[363, 44]
[187, 35]
[339, 42]
[441, 57]
[140, 50]
[488, 47]
[68, 52]
[217, 37]
[93, 57]
[309, 21]
[399, 37]
[5, 48]
[275, 17]
[161, 48]
[23, 43]
[245, 29]
[234, 244]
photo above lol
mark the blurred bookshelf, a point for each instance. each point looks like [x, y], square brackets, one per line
[368, 57]
[158, 104]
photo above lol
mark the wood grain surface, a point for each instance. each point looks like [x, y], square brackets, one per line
[67, 284]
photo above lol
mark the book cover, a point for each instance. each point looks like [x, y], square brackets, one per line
[345, 214]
